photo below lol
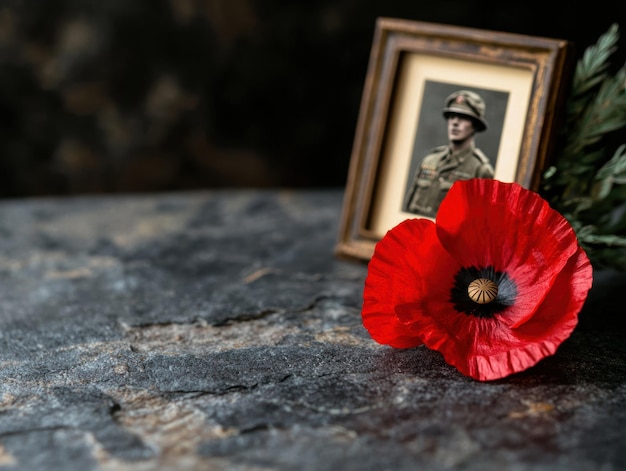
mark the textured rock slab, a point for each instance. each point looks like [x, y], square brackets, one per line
[217, 331]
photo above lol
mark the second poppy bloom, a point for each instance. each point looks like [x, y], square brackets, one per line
[495, 285]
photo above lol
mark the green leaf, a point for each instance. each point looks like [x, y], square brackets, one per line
[615, 166]
[590, 69]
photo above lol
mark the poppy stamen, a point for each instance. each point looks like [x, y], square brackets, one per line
[482, 291]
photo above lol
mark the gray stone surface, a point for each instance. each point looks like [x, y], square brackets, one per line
[216, 330]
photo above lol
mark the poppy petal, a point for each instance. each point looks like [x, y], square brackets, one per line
[401, 271]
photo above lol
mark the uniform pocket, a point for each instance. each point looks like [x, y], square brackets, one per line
[445, 185]
[460, 176]
[424, 184]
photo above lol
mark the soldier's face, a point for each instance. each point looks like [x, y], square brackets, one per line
[460, 128]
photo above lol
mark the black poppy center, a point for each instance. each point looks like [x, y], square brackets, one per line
[482, 292]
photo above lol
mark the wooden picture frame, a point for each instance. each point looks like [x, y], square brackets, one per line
[413, 67]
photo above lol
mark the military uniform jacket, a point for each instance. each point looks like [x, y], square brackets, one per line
[438, 171]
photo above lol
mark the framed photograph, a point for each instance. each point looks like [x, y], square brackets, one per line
[442, 103]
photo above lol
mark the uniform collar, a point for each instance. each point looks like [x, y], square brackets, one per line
[451, 160]
[461, 155]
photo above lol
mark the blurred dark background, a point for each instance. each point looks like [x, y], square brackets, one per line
[108, 96]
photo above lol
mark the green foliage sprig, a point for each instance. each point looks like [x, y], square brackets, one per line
[587, 181]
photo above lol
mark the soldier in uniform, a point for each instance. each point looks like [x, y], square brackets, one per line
[459, 160]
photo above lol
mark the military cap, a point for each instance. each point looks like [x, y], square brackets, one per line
[469, 104]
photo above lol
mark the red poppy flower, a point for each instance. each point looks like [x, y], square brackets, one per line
[495, 284]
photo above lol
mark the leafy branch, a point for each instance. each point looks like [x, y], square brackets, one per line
[587, 182]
